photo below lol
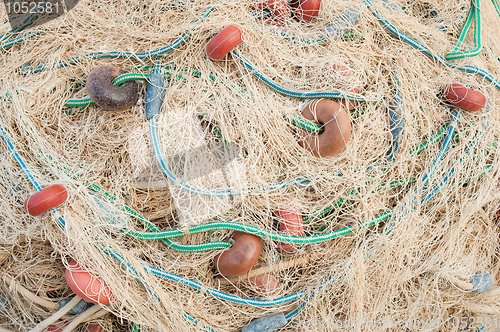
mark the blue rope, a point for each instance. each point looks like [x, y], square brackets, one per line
[121, 54]
[452, 170]
[62, 222]
[275, 87]
[296, 94]
[26, 170]
[221, 295]
[426, 50]
[10, 42]
[150, 269]
[292, 314]
[216, 193]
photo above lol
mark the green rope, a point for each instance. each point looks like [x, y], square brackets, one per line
[293, 118]
[474, 15]
[230, 225]
[217, 245]
[140, 76]
[78, 102]
[166, 236]
[117, 81]
[304, 123]
[497, 6]
[281, 237]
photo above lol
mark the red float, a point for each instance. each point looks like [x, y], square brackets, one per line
[306, 10]
[86, 285]
[224, 42]
[45, 200]
[53, 328]
[347, 81]
[241, 257]
[290, 223]
[461, 96]
[337, 125]
[265, 284]
[93, 327]
[280, 9]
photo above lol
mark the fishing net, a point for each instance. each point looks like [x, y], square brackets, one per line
[395, 227]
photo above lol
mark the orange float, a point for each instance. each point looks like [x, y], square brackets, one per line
[86, 285]
[241, 257]
[461, 96]
[290, 223]
[45, 200]
[337, 128]
[223, 42]
[306, 10]
[280, 9]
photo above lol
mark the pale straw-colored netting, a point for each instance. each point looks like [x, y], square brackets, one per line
[413, 266]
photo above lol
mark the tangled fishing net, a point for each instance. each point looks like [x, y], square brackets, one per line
[393, 236]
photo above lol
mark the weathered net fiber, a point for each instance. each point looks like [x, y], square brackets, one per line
[412, 268]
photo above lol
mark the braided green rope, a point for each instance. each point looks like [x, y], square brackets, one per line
[130, 77]
[167, 235]
[230, 225]
[117, 81]
[497, 6]
[474, 14]
[293, 118]
[216, 245]
[304, 123]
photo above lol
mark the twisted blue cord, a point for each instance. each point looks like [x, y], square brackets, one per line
[147, 268]
[296, 94]
[121, 54]
[426, 50]
[8, 43]
[292, 314]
